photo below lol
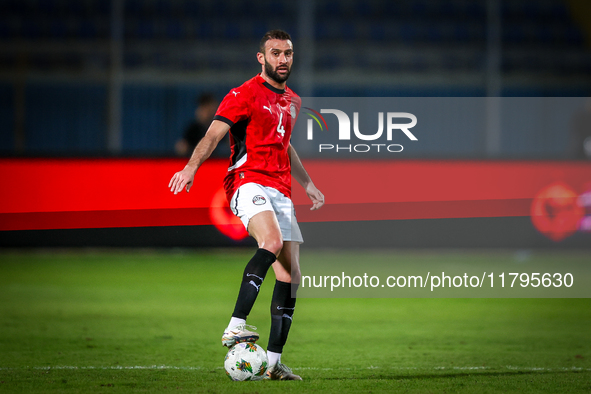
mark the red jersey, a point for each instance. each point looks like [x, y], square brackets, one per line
[260, 117]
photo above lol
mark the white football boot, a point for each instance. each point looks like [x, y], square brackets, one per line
[281, 372]
[239, 334]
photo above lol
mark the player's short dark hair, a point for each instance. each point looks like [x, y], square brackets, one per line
[273, 35]
[206, 99]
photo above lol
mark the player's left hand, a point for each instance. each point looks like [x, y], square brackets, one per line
[315, 195]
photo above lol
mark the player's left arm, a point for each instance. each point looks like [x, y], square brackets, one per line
[299, 173]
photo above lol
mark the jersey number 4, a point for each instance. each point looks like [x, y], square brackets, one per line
[280, 127]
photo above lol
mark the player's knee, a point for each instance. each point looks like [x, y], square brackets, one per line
[273, 245]
[296, 275]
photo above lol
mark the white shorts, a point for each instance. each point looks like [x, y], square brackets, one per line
[252, 198]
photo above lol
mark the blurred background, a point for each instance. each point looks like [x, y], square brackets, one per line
[123, 77]
[138, 79]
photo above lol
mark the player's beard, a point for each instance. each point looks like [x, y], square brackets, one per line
[271, 73]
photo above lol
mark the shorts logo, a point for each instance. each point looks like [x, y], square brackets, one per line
[258, 200]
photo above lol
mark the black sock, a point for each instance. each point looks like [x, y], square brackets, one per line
[282, 308]
[252, 279]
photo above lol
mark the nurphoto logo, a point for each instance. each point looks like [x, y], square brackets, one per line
[344, 132]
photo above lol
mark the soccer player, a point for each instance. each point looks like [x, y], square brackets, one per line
[259, 115]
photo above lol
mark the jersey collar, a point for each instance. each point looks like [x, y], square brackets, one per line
[269, 86]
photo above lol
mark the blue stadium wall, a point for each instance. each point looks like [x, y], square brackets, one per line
[71, 118]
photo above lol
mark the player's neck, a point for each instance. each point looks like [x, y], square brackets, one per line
[272, 82]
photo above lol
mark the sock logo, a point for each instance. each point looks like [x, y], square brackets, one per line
[255, 285]
[259, 200]
[282, 307]
[286, 315]
[256, 276]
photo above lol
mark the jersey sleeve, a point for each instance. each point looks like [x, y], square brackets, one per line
[233, 107]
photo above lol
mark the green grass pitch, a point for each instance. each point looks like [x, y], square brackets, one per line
[151, 322]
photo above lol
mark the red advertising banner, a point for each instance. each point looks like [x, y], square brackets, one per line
[99, 193]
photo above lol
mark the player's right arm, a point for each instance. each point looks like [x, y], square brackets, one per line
[184, 179]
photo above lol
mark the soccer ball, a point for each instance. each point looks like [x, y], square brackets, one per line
[246, 361]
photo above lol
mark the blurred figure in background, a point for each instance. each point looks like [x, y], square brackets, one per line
[580, 142]
[206, 107]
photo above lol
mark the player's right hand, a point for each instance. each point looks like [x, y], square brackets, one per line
[182, 180]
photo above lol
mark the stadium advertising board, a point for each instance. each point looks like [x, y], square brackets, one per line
[553, 196]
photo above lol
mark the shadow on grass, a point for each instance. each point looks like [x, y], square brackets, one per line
[444, 375]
